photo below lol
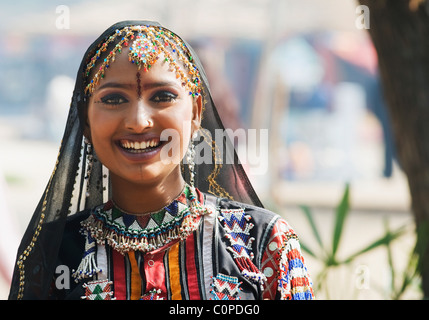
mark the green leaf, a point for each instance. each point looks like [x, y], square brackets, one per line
[307, 249]
[422, 233]
[309, 216]
[385, 240]
[341, 214]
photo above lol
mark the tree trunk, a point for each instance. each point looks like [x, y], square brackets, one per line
[400, 32]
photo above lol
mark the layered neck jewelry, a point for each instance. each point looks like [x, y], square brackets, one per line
[125, 232]
[108, 225]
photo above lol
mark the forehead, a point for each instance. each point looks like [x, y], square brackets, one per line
[122, 71]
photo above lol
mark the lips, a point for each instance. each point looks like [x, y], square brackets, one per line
[139, 146]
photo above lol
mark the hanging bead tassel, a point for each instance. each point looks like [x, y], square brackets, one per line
[250, 271]
[88, 266]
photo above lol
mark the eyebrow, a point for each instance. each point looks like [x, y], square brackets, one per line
[146, 86]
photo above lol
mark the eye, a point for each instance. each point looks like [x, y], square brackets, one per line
[113, 99]
[163, 96]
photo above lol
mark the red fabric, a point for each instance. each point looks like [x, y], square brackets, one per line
[191, 269]
[119, 281]
[155, 272]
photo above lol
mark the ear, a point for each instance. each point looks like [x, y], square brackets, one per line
[197, 110]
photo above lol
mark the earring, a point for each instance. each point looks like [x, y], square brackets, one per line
[190, 156]
[89, 161]
[105, 184]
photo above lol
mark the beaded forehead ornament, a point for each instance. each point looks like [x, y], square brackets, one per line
[148, 43]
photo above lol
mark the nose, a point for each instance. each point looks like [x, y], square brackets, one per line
[138, 117]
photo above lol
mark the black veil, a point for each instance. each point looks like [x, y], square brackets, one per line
[65, 193]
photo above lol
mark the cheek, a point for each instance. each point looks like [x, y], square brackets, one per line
[177, 123]
[101, 127]
[182, 121]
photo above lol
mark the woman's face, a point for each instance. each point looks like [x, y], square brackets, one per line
[127, 113]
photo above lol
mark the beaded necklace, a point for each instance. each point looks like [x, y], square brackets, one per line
[107, 225]
[127, 232]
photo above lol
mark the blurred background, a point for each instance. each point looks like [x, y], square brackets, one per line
[304, 70]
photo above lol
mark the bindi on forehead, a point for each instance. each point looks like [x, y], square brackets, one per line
[139, 85]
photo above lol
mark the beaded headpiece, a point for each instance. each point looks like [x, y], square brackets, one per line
[148, 43]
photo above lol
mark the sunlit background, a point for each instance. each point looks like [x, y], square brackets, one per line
[304, 70]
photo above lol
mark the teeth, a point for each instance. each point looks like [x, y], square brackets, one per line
[138, 145]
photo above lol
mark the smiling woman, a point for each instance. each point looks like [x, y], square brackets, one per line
[127, 224]
[126, 116]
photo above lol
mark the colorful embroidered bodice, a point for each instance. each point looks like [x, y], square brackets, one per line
[191, 250]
